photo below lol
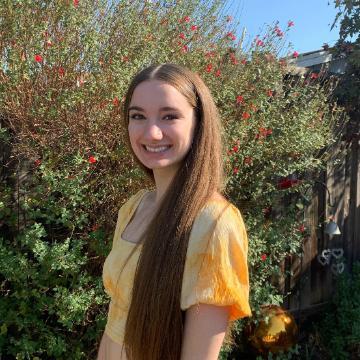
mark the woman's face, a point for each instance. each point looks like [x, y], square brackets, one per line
[161, 125]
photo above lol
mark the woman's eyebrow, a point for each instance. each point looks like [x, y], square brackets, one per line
[165, 108]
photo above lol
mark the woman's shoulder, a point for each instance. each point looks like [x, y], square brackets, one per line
[218, 202]
[219, 210]
[217, 223]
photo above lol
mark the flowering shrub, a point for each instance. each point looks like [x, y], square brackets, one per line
[62, 83]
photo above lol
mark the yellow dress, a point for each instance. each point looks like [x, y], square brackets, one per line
[215, 273]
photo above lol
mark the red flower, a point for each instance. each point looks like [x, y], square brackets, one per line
[61, 71]
[239, 99]
[95, 227]
[290, 23]
[193, 27]
[278, 31]
[38, 58]
[263, 131]
[92, 160]
[287, 183]
[185, 19]
[301, 228]
[245, 115]
[314, 75]
[263, 257]
[116, 101]
[125, 59]
[243, 61]
[208, 68]
[235, 148]
[182, 36]
[270, 93]
[184, 49]
[248, 160]
[37, 162]
[76, 3]
[217, 73]
[235, 171]
[295, 54]
[259, 43]
[231, 36]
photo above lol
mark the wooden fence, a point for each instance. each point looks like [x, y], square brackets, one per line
[337, 193]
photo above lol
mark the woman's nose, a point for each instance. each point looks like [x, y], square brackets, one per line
[153, 130]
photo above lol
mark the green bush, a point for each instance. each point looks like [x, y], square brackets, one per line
[340, 328]
[49, 295]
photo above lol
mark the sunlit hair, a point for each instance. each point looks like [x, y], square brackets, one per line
[155, 322]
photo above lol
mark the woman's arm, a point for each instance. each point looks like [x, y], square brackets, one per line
[110, 350]
[102, 348]
[204, 332]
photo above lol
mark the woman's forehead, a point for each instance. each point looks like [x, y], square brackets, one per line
[158, 93]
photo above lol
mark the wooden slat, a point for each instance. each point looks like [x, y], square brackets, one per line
[354, 201]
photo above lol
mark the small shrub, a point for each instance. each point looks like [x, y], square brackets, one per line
[340, 328]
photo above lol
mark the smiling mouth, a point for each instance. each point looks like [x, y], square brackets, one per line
[156, 149]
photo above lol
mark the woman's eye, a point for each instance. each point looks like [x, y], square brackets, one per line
[170, 117]
[139, 116]
[136, 116]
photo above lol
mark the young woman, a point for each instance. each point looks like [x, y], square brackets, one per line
[177, 273]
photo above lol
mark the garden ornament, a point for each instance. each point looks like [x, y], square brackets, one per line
[324, 257]
[337, 253]
[331, 227]
[276, 331]
[337, 268]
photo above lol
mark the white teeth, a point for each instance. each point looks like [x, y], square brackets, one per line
[157, 149]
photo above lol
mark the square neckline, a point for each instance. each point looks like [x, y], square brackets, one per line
[130, 218]
[136, 206]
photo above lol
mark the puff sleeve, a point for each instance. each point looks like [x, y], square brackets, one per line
[216, 270]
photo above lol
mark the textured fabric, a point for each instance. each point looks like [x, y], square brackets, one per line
[215, 269]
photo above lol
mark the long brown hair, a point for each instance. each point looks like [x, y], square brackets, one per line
[155, 322]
